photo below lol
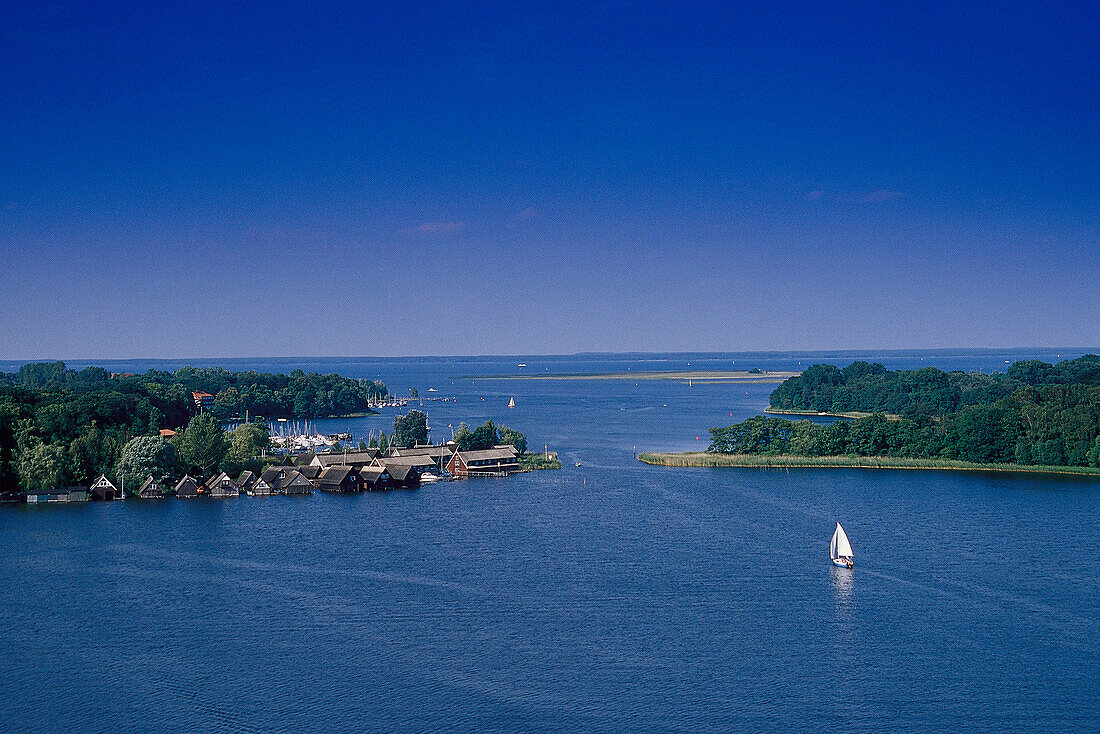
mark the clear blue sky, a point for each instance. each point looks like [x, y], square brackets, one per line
[194, 179]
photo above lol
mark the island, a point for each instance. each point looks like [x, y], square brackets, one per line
[1035, 417]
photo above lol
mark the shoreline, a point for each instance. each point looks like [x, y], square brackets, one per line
[789, 461]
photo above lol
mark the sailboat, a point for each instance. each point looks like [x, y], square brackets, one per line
[511, 402]
[840, 550]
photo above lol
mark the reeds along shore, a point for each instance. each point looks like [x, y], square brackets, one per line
[756, 461]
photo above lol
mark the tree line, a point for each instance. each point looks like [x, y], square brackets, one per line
[871, 388]
[1035, 413]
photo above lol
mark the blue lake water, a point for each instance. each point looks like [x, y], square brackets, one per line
[612, 596]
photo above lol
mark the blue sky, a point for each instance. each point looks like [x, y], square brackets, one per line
[197, 180]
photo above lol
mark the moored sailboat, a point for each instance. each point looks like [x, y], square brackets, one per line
[840, 550]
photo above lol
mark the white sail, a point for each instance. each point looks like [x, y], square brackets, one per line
[839, 547]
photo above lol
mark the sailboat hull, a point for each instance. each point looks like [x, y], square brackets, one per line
[842, 562]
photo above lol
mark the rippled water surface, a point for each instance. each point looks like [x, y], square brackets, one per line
[612, 596]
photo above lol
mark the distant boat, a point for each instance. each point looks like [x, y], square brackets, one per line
[426, 478]
[511, 402]
[521, 364]
[431, 389]
[840, 550]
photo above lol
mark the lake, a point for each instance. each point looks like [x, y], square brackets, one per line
[611, 596]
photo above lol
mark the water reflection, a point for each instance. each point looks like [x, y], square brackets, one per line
[843, 582]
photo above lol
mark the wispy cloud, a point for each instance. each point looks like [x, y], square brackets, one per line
[527, 215]
[427, 229]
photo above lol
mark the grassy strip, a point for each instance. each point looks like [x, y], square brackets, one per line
[708, 376]
[854, 414]
[534, 462]
[851, 462]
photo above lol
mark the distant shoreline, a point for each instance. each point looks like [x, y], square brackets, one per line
[703, 377]
[788, 461]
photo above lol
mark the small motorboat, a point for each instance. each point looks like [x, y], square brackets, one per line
[427, 478]
[840, 550]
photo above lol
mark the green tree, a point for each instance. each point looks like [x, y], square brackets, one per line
[382, 443]
[410, 430]
[144, 456]
[9, 421]
[513, 437]
[463, 436]
[204, 443]
[93, 453]
[482, 437]
[247, 441]
[43, 466]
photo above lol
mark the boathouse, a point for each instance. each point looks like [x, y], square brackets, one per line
[246, 481]
[497, 461]
[418, 464]
[286, 480]
[339, 479]
[220, 485]
[65, 494]
[104, 489]
[150, 489]
[187, 488]
[375, 479]
[403, 476]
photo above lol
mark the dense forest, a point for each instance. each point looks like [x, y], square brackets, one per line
[1034, 413]
[59, 425]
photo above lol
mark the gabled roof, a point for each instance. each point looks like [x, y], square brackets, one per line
[346, 458]
[103, 481]
[293, 477]
[400, 472]
[187, 485]
[335, 475]
[148, 483]
[413, 461]
[272, 475]
[218, 479]
[488, 454]
[303, 458]
[246, 479]
[278, 477]
[371, 473]
[310, 471]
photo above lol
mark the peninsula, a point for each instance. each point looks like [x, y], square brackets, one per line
[1035, 417]
[69, 435]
